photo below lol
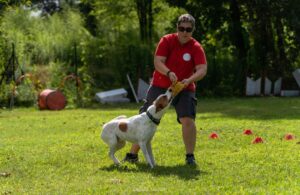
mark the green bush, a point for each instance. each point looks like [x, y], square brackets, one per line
[44, 47]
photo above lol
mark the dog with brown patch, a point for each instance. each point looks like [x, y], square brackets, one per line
[136, 129]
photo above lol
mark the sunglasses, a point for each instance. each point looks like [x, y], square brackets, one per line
[182, 29]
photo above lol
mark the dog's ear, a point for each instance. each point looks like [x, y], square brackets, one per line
[161, 103]
[159, 107]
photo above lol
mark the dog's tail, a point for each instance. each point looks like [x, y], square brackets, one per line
[117, 118]
[120, 117]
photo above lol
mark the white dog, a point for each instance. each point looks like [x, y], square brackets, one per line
[136, 129]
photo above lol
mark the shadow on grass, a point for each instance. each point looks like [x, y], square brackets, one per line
[184, 172]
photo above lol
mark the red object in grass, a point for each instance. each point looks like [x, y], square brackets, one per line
[248, 132]
[214, 136]
[257, 140]
[289, 136]
[52, 100]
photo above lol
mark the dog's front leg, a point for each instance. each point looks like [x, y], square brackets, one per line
[149, 148]
[146, 154]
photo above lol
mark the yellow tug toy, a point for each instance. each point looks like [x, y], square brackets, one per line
[176, 88]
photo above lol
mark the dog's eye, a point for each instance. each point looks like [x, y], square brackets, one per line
[170, 90]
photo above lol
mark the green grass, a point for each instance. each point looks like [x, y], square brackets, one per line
[60, 152]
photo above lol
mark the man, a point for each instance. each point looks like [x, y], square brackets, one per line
[178, 57]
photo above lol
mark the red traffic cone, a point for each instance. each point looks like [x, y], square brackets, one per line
[257, 140]
[248, 132]
[289, 136]
[213, 136]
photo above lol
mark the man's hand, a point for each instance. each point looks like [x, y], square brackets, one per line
[186, 82]
[200, 72]
[172, 76]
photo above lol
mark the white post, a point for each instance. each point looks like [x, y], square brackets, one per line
[132, 89]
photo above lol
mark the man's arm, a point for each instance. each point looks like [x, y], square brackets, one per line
[200, 72]
[159, 64]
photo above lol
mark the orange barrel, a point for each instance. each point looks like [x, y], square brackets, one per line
[52, 100]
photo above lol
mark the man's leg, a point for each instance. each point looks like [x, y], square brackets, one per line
[135, 148]
[188, 134]
[132, 156]
[185, 104]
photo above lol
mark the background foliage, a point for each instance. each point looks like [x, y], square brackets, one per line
[115, 38]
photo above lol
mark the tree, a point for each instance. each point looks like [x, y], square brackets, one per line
[144, 12]
[239, 38]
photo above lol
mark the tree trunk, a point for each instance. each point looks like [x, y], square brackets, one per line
[144, 11]
[282, 61]
[239, 41]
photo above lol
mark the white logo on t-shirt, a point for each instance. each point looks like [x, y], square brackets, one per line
[186, 57]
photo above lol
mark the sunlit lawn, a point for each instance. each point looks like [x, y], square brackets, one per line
[60, 152]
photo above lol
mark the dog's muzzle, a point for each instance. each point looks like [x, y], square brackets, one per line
[169, 94]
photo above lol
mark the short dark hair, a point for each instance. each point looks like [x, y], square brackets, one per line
[186, 18]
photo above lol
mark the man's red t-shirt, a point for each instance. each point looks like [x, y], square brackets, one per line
[181, 59]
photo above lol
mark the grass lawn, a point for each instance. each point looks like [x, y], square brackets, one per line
[60, 152]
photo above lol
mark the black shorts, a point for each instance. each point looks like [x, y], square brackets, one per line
[185, 102]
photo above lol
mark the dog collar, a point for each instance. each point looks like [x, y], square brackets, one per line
[154, 120]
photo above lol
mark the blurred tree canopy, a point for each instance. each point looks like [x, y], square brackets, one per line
[258, 38]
